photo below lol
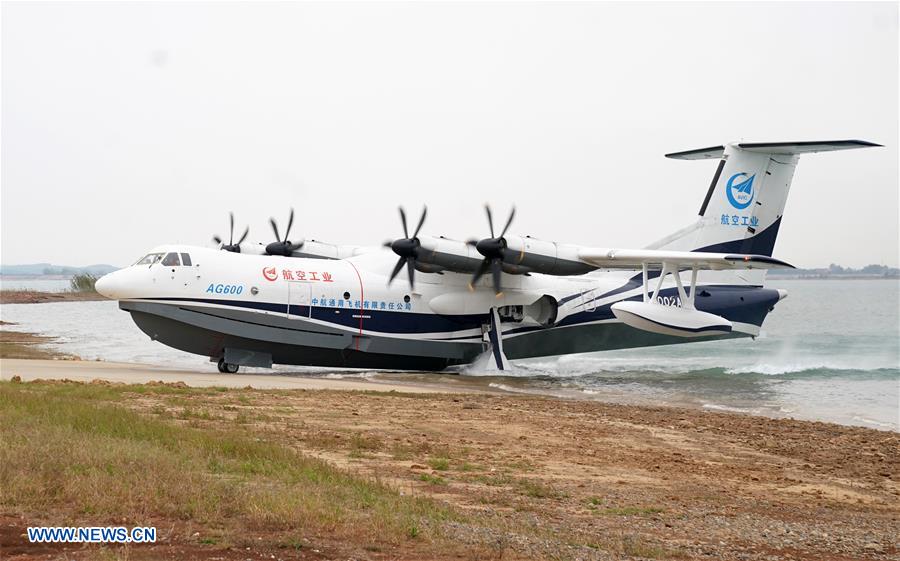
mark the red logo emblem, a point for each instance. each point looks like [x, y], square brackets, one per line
[270, 273]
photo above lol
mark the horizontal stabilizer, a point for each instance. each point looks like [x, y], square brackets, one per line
[785, 148]
[655, 259]
[711, 153]
[807, 147]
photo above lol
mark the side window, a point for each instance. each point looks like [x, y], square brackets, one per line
[149, 259]
[186, 259]
[171, 260]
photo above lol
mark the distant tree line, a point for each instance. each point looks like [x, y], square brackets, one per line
[61, 270]
[835, 270]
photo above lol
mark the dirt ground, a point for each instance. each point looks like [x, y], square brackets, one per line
[571, 479]
[36, 297]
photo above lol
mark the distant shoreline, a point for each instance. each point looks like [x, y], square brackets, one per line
[774, 276]
[19, 296]
[34, 277]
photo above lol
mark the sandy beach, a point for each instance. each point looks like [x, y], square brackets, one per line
[87, 371]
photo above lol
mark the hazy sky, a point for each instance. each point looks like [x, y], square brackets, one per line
[127, 125]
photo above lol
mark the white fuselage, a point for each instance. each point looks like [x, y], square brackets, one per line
[343, 312]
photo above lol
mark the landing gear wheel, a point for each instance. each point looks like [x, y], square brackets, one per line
[227, 367]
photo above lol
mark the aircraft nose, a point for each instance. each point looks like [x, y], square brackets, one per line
[105, 285]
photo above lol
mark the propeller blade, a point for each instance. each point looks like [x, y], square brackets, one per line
[275, 229]
[411, 270]
[512, 214]
[473, 243]
[231, 229]
[497, 271]
[421, 221]
[217, 239]
[490, 219]
[396, 270]
[244, 236]
[290, 223]
[388, 243]
[403, 220]
[482, 269]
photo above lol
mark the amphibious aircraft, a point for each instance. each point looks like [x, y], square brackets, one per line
[504, 297]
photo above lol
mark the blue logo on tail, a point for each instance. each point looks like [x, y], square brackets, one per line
[740, 190]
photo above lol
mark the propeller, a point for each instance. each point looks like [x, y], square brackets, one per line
[231, 246]
[407, 248]
[493, 249]
[282, 246]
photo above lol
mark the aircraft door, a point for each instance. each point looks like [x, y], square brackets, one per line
[299, 294]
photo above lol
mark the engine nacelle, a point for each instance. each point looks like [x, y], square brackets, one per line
[548, 258]
[312, 249]
[321, 250]
[446, 254]
[522, 255]
[670, 320]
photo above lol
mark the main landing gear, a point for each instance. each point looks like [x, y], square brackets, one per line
[492, 335]
[227, 367]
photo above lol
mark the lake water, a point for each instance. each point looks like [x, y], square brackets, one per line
[40, 285]
[830, 351]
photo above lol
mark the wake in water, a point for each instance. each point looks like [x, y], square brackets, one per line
[831, 377]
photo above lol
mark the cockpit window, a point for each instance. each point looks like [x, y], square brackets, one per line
[171, 260]
[149, 259]
[186, 259]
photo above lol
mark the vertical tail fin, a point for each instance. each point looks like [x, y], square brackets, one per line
[743, 207]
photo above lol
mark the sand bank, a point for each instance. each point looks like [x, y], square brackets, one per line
[86, 371]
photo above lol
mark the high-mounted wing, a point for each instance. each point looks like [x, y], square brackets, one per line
[655, 259]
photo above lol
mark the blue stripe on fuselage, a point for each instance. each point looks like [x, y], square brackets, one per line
[743, 304]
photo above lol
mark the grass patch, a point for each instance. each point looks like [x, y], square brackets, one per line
[536, 489]
[439, 464]
[408, 451]
[635, 547]
[527, 487]
[360, 442]
[432, 479]
[69, 449]
[494, 480]
[593, 503]
[189, 413]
